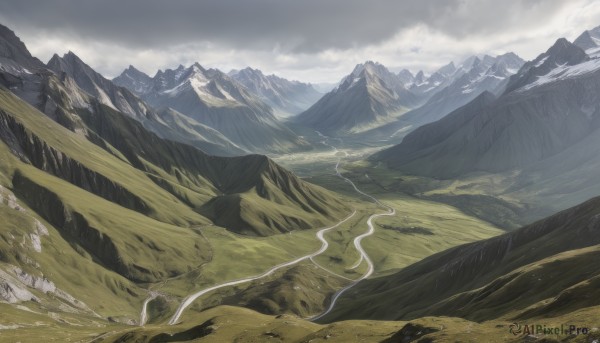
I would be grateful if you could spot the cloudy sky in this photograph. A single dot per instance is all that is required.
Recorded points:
(308, 40)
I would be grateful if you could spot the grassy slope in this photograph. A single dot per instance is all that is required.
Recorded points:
(492, 278)
(234, 324)
(155, 246)
(161, 248)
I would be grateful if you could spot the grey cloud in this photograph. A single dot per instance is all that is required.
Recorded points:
(296, 26)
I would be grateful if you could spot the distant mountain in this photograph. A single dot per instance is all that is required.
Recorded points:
(517, 129)
(427, 86)
(543, 269)
(96, 85)
(547, 65)
(546, 126)
(370, 96)
(134, 80)
(486, 74)
(455, 87)
(324, 87)
(286, 97)
(212, 98)
(406, 77)
(73, 71)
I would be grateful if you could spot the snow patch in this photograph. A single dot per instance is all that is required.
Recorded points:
(562, 72)
(541, 61)
(593, 52)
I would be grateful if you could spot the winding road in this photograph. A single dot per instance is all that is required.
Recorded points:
(143, 314)
(324, 245)
(357, 241)
(191, 298)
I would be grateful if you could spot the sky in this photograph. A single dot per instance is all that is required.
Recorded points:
(308, 40)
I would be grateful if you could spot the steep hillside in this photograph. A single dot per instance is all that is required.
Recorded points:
(541, 270)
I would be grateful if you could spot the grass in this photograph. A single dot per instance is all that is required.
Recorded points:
(232, 324)
(391, 250)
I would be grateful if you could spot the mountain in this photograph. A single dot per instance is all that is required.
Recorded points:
(427, 86)
(452, 87)
(525, 125)
(324, 87)
(406, 77)
(562, 55)
(486, 74)
(370, 96)
(542, 133)
(212, 98)
(589, 39)
(81, 77)
(104, 201)
(546, 269)
(97, 86)
(136, 81)
(286, 97)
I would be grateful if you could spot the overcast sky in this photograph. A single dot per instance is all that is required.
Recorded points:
(308, 40)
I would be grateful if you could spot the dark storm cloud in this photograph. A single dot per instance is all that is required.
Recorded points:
(292, 26)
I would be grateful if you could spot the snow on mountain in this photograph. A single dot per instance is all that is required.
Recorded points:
(285, 97)
(134, 80)
(215, 99)
(369, 96)
(463, 83)
(554, 64)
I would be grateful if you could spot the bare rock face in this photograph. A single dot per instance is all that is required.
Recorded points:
(12, 290)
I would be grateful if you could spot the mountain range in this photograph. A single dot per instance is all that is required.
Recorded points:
(376, 103)
(216, 100)
(287, 98)
(544, 126)
(371, 95)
